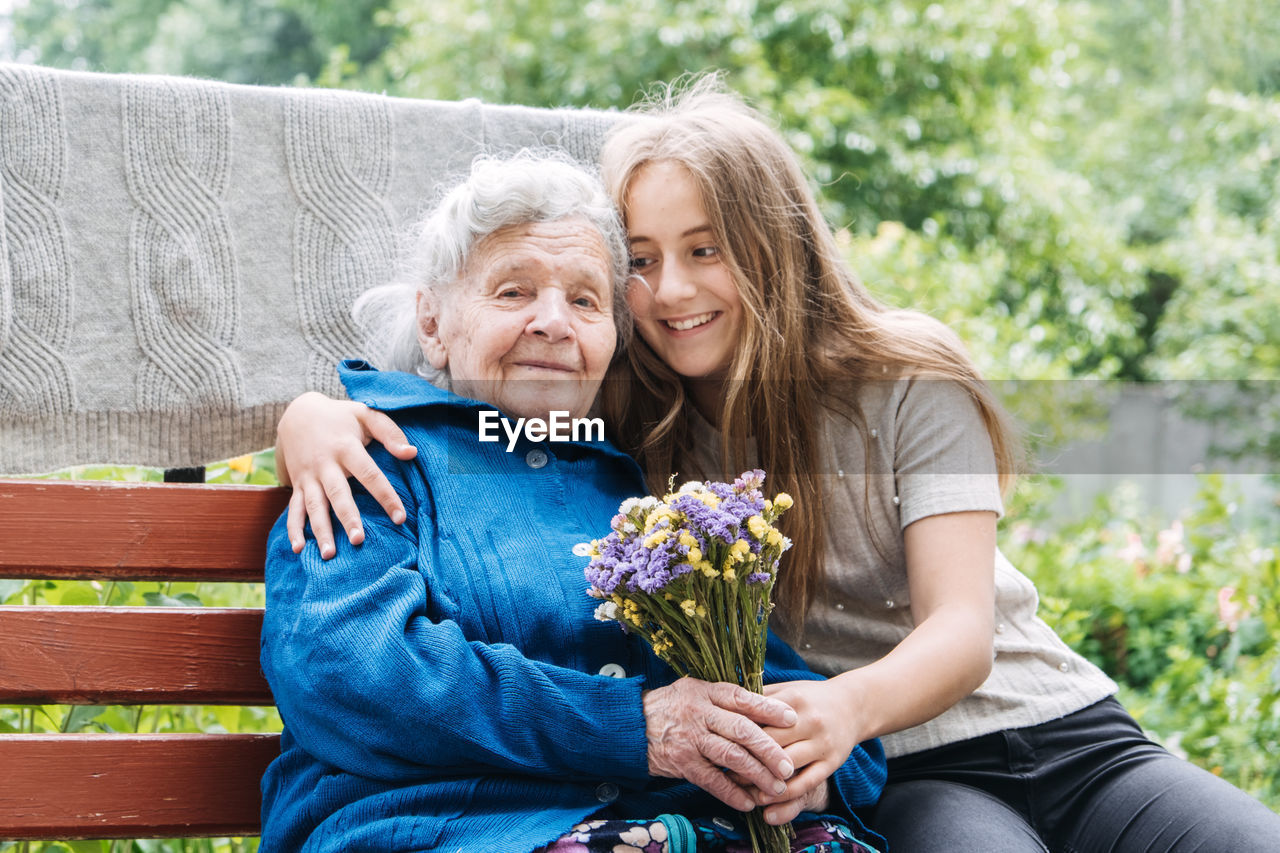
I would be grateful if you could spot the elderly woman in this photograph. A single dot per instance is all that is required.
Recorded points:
(444, 684)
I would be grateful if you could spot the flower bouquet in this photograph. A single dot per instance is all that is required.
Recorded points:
(693, 574)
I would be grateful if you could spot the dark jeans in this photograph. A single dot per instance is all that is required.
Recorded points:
(1086, 783)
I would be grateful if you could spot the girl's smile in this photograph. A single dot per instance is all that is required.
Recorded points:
(686, 325)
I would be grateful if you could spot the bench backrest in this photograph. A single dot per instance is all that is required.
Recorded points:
(132, 785)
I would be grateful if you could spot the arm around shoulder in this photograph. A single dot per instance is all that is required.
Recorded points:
(320, 442)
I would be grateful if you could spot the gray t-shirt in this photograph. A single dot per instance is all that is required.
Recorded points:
(929, 453)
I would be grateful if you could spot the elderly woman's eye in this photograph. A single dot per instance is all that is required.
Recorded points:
(585, 302)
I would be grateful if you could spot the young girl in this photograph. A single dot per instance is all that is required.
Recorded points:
(758, 347)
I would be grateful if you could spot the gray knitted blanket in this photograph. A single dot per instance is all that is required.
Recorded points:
(180, 256)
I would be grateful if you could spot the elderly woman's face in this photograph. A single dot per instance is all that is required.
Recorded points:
(529, 326)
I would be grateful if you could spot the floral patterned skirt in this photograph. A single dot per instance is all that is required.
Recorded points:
(678, 834)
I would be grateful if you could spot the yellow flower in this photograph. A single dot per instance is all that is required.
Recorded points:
(656, 538)
(774, 539)
(687, 540)
(738, 551)
(730, 575)
(757, 527)
(657, 515)
(708, 569)
(243, 464)
(695, 556)
(783, 501)
(710, 499)
(689, 606)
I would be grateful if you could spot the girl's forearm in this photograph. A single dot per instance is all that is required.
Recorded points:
(943, 660)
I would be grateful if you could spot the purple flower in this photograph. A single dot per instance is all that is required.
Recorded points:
(707, 522)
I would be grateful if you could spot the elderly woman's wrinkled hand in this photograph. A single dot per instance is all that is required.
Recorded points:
(697, 730)
(319, 443)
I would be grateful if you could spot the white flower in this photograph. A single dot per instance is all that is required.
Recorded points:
(643, 504)
(607, 612)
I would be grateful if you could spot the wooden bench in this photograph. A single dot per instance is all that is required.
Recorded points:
(65, 786)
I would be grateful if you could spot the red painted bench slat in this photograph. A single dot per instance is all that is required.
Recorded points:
(132, 786)
(135, 531)
(131, 655)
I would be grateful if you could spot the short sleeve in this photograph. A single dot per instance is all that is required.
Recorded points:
(944, 461)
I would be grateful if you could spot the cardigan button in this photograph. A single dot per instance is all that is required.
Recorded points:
(536, 458)
(607, 792)
(613, 670)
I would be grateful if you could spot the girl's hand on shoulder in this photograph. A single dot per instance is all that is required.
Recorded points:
(818, 744)
(320, 442)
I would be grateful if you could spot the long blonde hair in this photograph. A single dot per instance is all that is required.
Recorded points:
(809, 324)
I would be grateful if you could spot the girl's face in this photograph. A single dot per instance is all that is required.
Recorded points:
(687, 307)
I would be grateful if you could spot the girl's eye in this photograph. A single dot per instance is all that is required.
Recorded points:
(638, 264)
(706, 252)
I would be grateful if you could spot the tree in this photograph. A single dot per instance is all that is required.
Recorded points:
(241, 41)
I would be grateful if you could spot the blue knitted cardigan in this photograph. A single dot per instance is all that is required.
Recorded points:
(441, 685)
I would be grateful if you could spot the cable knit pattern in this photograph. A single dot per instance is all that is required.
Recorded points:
(180, 256)
(35, 292)
(183, 279)
(339, 155)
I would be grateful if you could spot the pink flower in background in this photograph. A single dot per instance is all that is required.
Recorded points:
(1134, 551)
(1024, 533)
(1229, 612)
(1169, 545)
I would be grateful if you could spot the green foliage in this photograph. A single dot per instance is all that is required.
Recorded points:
(1183, 613)
(144, 845)
(241, 41)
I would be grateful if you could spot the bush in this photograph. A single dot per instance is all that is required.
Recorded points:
(1183, 613)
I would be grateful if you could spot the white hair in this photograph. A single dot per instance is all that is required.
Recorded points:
(498, 193)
